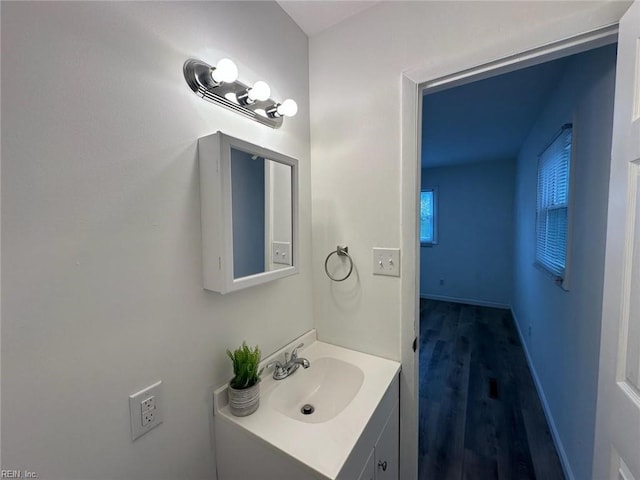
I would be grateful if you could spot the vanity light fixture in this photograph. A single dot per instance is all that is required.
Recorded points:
(220, 85)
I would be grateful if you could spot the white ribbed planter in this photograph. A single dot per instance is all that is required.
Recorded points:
(245, 401)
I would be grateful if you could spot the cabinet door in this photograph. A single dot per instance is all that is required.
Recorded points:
(387, 449)
(369, 471)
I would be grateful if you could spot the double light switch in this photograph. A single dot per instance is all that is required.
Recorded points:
(386, 261)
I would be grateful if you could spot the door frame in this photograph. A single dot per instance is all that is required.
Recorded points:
(414, 84)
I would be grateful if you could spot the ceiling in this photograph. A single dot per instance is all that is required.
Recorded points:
(488, 119)
(484, 120)
(314, 16)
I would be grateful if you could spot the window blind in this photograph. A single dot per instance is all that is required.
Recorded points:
(553, 203)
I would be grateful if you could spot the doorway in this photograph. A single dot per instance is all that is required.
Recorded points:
(485, 274)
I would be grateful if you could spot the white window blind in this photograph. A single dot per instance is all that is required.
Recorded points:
(553, 203)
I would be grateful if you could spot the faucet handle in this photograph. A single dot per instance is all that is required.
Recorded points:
(279, 371)
(275, 363)
(294, 352)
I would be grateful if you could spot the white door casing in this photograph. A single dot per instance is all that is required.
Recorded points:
(617, 440)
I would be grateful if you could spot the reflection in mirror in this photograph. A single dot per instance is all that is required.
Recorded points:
(261, 214)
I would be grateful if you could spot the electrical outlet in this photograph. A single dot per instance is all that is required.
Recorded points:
(148, 417)
(149, 403)
(442, 281)
(145, 408)
(148, 407)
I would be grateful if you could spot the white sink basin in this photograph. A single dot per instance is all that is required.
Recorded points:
(328, 385)
(344, 386)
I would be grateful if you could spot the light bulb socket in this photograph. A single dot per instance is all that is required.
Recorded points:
(213, 81)
(272, 111)
(202, 74)
(243, 98)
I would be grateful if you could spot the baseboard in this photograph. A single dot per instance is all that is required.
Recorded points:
(468, 301)
(568, 473)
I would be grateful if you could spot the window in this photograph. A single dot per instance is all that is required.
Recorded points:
(428, 230)
(553, 203)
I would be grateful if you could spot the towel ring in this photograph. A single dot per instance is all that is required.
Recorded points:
(341, 252)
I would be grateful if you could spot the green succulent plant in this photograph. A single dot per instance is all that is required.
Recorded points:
(245, 366)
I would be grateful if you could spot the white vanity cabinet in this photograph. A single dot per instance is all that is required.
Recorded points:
(359, 440)
(382, 463)
(369, 471)
(374, 456)
(387, 449)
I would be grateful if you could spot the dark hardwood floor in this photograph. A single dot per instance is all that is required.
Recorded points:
(480, 416)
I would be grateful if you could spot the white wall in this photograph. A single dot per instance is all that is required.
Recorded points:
(565, 326)
(474, 253)
(362, 129)
(101, 241)
(355, 80)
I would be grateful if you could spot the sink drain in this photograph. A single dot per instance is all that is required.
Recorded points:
(307, 409)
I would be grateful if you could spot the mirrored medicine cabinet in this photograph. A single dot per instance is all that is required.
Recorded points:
(249, 207)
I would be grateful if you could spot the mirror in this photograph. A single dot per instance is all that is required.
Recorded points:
(260, 213)
(249, 213)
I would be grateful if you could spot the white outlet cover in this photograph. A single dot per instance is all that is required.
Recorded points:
(386, 261)
(281, 253)
(136, 409)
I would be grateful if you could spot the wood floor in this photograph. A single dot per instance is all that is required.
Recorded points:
(480, 416)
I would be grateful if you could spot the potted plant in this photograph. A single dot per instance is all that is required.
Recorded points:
(244, 387)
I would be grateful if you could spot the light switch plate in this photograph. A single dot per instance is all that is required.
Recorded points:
(386, 261)
(145, 409)
(281, 253)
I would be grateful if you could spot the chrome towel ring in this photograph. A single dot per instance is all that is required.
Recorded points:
(341, 252)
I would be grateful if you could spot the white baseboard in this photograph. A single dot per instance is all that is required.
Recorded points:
(568, 473)
(468, 301)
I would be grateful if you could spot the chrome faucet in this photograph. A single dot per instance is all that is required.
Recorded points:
(290, 365)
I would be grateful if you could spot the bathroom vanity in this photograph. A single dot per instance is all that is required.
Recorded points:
(352, 433)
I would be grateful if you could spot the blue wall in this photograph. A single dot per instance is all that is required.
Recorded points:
(564, 343)
(473, 257)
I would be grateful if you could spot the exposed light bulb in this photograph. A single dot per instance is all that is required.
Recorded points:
(288, 108)
(225, 71)
(260, 91)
